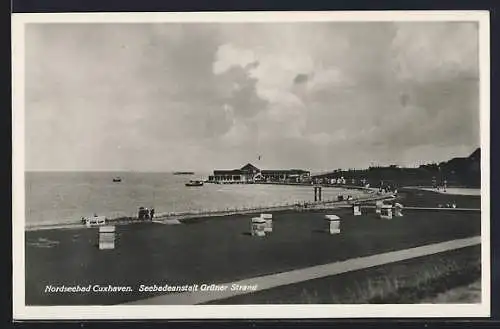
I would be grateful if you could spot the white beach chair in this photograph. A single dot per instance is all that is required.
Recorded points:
(386, 211)
(258, 226)
(332, 224)
(106, 237)
(269, 222)
(378, 206)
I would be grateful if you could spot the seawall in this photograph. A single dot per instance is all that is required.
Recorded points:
(193, 215)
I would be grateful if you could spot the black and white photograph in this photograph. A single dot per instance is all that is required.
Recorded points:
(251, 165)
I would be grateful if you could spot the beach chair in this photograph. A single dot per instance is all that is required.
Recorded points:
(257, 227)
(356, 209)
(332, 224)
(398, 210)
(386, 211)
(106, 237)
(268, 228)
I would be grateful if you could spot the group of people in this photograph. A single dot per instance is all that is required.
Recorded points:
(145, 213)
(342, 197)
(387, 188)
(441, 185)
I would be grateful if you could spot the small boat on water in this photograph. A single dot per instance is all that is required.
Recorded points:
(195, 183)
(94, 220)
(117, 179)
(183, 173)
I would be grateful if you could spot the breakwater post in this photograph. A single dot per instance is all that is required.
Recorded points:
(317, 193)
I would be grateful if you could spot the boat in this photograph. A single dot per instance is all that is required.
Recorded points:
(183, 173)
(117, 179)
(195, 183)
(94, 221)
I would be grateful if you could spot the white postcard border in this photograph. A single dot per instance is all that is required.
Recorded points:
(23, 312)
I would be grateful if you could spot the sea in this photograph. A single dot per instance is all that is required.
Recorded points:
(65, 197)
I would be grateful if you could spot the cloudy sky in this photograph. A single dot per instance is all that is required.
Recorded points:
(161, 97)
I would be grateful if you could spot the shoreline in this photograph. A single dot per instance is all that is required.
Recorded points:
(346, 186)
(369, 196)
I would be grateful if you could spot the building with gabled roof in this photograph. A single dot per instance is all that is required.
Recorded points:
(250, 174)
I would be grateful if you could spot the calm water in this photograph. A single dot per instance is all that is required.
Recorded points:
(65, 197)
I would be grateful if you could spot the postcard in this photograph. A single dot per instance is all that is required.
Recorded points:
(251, 165)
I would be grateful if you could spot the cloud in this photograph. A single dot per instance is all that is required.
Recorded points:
(436, 51)
(229, 56)
(299, 94)
(301, 78)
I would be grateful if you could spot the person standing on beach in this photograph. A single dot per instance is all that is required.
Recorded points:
(152, 213)
(142, 213)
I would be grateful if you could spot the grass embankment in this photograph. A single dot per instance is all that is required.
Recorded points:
(470, 293)
(219, 250)
(417, 280)
(419, 198)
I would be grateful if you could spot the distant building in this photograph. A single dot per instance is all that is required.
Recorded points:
(249, 174)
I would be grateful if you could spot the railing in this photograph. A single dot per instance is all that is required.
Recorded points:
(279, 207)
(297, 205)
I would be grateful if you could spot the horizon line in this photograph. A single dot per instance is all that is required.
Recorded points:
(315, 170)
